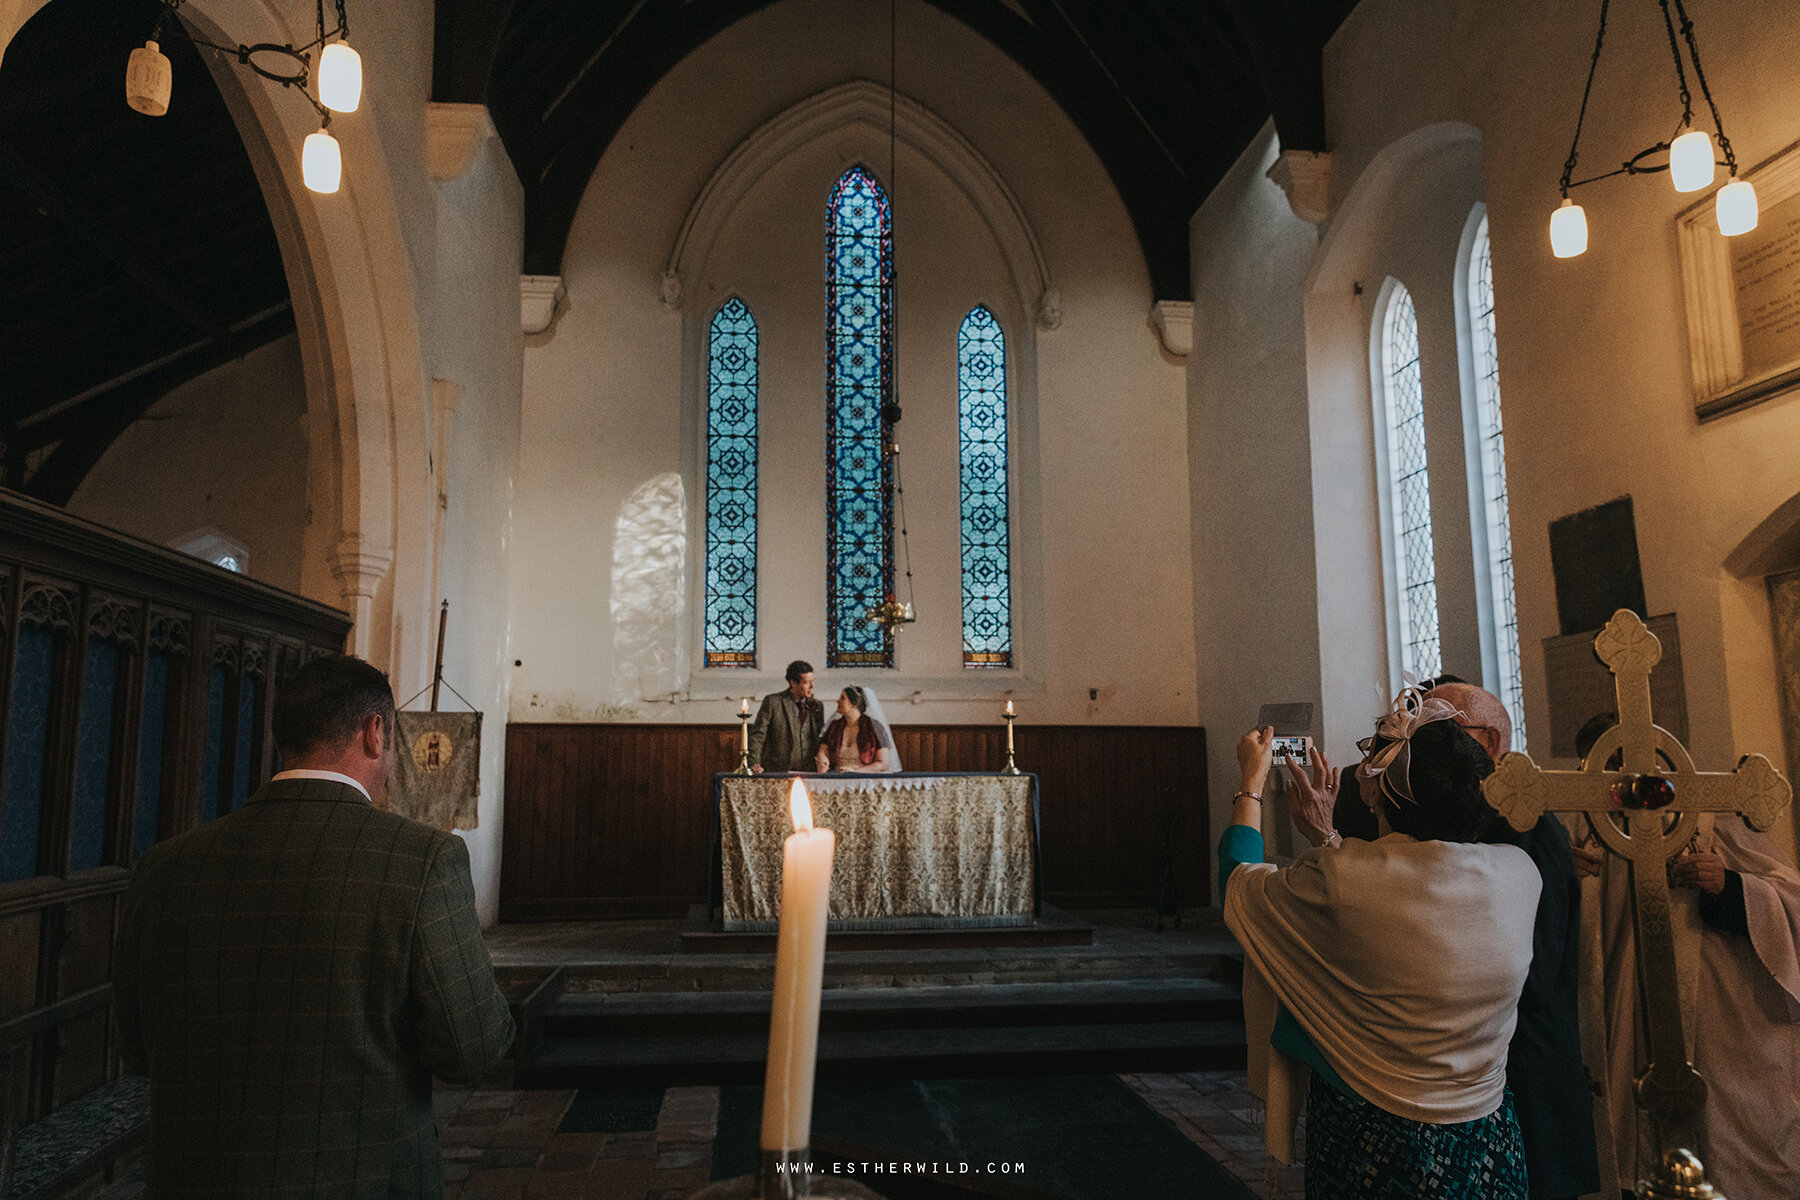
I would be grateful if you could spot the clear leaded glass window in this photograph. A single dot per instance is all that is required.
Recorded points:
(986, 547)
(731, 379)
(1411, 487)
(1493, 480)
(859, 488)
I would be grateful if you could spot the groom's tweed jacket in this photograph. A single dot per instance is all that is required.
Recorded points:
(290, 977)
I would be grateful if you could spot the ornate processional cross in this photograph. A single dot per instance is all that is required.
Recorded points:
(1670, 1090)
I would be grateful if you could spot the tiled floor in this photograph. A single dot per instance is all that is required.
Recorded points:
(504, 1145)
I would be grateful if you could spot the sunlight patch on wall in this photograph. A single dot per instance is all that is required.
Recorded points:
(648, 604)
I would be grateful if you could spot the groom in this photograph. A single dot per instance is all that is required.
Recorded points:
(785, 734)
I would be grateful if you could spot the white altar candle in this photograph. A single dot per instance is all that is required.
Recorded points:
(799, 975)
(1009, 708)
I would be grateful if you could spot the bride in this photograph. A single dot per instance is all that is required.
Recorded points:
(858, 738)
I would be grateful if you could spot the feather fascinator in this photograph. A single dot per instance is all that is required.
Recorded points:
(1389, 762)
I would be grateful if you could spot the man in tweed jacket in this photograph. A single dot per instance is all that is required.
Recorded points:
(292, 975)
(785, 734)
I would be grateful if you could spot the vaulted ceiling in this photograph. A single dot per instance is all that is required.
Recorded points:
(138, 252)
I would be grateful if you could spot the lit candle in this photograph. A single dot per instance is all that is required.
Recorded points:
(799, 975)
(1009, 708)
(744, 728)
(744, 707)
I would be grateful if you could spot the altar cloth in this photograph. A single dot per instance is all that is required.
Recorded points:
(914, 850)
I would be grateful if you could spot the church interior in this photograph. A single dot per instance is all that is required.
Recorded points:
(1179, 336)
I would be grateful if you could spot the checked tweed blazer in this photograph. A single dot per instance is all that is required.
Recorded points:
(290, 977)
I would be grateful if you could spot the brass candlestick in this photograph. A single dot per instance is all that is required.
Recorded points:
(1011, 767)
(743, 767)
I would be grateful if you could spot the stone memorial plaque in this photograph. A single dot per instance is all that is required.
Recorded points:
(1579, 686)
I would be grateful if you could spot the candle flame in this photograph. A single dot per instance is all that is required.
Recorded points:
(1009, 708)
(744, 707)
(800, 807)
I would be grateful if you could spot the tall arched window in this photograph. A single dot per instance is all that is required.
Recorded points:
(859, 482)
(1410, 487)
(1493, 479)
(986, 547)
(731, 383)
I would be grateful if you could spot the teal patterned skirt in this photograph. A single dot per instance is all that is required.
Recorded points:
(1354, 1149)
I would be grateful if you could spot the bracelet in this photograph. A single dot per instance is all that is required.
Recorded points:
(1252, 795)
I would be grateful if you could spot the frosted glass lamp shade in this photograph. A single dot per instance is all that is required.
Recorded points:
(340, 78)
(1736, 208)
(1691, 164)
(1568, 230)
(147, 80)
(320, 163)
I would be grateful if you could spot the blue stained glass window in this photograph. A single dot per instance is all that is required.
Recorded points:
(1410, 484)
(1493, 482)
(215, 738)
(986, 546)
(859, 488)
(731, 390)
(246, 729)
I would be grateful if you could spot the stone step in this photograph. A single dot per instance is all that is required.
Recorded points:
(891, 1054)
(1096, 1002)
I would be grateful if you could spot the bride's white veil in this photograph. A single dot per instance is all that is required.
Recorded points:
(883, 730)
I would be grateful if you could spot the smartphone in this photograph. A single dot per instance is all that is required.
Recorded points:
(1297, 748)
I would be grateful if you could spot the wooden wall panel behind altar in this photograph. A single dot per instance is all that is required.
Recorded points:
(614, 819)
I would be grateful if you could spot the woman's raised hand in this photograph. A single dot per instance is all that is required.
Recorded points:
(1315, 796)
(1256, 751)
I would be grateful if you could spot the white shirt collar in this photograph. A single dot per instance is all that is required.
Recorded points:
(331, 775)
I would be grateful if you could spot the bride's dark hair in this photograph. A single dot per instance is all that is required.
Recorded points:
(856, 696)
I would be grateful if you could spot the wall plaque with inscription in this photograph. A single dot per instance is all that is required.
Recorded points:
(1743, 294)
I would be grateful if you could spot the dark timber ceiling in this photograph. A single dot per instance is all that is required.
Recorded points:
(1168, 92)
(137, 251)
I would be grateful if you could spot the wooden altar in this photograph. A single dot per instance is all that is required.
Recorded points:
(914, 850)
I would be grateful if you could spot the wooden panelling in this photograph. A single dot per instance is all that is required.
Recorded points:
(616, 819)
(93, 586)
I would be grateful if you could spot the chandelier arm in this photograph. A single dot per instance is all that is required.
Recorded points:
(1687, 97)
(1687, 31)
(905, 544)
(1581, 118)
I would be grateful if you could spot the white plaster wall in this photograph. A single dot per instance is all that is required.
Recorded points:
(613, 397)
(225, 450)
(1594, 368)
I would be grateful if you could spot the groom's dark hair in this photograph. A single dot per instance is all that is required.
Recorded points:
(797, 668)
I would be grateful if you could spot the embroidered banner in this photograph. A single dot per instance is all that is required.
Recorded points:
(437, 768)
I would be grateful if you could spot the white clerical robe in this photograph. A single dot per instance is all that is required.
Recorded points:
(1740, 1003)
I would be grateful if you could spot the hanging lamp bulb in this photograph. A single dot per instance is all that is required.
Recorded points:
(1736, 208)
(147, 80)
(1691, 163)
(1568, 230)
(340, 77)
(321, 165)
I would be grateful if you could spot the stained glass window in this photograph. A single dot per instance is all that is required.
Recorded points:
(1411, 488)
(731, 380)
(859, 487)
(1493, 480)
(986, 547)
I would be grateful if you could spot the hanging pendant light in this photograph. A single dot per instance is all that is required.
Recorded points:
(1690, 162)
(148, 79)
(340, 77)
(321, 165)
(1736, 208)
(1568, 230)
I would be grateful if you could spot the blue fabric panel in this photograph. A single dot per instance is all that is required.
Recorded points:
(27, 737)
(150, 753)
(215, 738)
(246, 729)
(1241, 844)
(93, 755)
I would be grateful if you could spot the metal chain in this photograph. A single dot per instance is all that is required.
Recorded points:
(1687, 31)
(1687, 99)
(1593, 65)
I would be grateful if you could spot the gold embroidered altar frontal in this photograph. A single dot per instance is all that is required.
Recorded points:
(913, 851)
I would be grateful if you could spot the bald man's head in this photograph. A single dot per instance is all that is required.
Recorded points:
(1484, 716)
